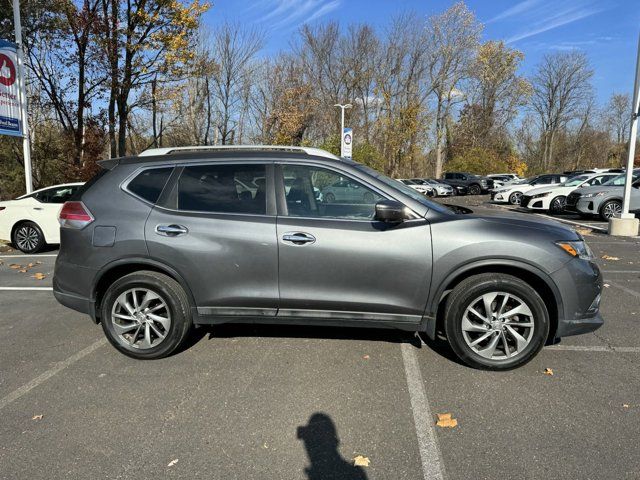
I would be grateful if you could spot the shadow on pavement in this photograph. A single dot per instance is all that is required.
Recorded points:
(321, 441)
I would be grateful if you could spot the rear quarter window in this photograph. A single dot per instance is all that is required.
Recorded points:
(149, 183)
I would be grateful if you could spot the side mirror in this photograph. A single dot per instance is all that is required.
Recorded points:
(389, 211)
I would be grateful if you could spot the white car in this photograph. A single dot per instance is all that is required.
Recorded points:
(423, 189)
(31, 221)
(512, 193)
(441, 189)
(554, 198)
(501, 179)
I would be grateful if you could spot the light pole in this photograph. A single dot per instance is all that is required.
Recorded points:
(626, 224)
(342, 108)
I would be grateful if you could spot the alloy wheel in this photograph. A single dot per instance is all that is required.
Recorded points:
(558, 204)
(515, 198)
(611, 209)
(27, 238)
(498, 326)
(141, 318)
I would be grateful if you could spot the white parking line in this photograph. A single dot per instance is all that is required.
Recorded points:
(29, 256)
(595, 348)
(620, 271)
(18, 289)
(430, 455)
(624, 289)
(26, 388)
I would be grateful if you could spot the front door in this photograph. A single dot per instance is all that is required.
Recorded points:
(217, 228)
(336, 262)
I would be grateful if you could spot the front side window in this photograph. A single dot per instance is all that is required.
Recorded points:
(318, 192)
(223, 189)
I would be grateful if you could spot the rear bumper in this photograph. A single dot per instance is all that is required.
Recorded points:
(74, 302)
(72, 287)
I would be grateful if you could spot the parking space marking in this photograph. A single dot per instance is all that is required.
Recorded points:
(26, 388)
(430, 455)
(14, 289)
(624, 289)
(595, 348)
(620, 271)
(29, 256)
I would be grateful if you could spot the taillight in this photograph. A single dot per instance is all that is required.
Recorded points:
(75, 215)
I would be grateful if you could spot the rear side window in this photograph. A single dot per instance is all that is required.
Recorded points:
(223, 189)
(149, 183)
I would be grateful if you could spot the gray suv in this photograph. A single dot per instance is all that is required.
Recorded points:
(179, 237)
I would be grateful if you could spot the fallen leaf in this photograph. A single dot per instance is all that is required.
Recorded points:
(39, 276)
(36, 417)
(445, 421)
(548, 371)
(625, 405)
(15, 266)
(361, 461)
(23, 270)
(172, 462)
(606, 285)
(609, 257)
(31, 265)
(366, 357)
(584, 231)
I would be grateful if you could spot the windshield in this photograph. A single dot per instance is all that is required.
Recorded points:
(408, 182)
(409, 192)
(575, 181)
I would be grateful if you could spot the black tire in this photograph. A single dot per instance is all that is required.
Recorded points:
(556, 206)
(330, 198)
(170, 292)
(28, 237)
(466, 294)
(475, 189)
(607, 207)
(515, 198)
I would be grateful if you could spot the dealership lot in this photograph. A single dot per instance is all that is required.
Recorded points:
(248, 401)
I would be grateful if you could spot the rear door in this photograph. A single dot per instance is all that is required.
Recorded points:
(47, 206)
(216, 226)
(336, 262)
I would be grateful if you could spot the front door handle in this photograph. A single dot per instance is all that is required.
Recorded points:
(38, 208)
(298, 238)
(172, 230)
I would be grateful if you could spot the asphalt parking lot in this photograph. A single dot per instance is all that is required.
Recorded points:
(273, 402)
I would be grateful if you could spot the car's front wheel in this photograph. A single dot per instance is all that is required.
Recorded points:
(495, 321)
(475, 189)
(557, 205)
(28, 237)
(145, 315)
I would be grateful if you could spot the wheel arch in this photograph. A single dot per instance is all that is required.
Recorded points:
(117, 269)
(539, 280)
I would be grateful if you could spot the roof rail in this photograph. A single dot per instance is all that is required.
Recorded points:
(213, 148)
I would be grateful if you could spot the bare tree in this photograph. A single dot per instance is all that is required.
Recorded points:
(617, 114)
(453, 38)
(561, 90)
(234, 48)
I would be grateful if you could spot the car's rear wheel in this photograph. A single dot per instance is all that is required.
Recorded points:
(475, 189)
(515, 198)
(145, 315)
(28, 237)
(557, 205)
(495, 321)
(610, 209)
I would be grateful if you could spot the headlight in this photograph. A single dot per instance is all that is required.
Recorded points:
(540, 195)
(591, 195)
(577, 249)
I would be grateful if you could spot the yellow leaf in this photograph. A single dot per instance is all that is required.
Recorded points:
(445, 421)
(609, 257)
(39, 276)
(172, 462)
(36, 417)
(361, 461)
(548, 371)
(15, 266)
(366, 357)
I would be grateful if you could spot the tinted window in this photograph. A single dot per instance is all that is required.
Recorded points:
(149, 183)
(313, 193)
(56, 195)
(223, 189)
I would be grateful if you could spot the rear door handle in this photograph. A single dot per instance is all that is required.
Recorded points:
(298, 238)
(172, 230)
(38, 208)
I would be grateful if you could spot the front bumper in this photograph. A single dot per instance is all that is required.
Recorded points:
(499, 197)
(566, 328)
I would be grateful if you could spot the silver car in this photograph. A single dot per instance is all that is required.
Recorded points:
(605, 200)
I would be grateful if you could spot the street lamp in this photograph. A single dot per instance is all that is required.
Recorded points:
(342, 107)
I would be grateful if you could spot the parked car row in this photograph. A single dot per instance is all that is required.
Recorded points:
(592, 192)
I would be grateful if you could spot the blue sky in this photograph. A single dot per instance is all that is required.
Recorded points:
(607, 30)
